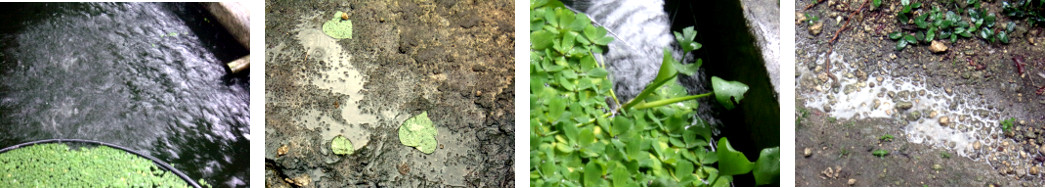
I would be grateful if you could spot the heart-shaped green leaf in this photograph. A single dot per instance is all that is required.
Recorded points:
(730, 161)
(767, 168)
(728, 93)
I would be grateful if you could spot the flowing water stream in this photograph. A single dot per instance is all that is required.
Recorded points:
(146, 76)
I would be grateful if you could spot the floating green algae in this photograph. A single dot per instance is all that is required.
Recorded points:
(419, 132)
(341, 146)
(56, 165)
(338, 28)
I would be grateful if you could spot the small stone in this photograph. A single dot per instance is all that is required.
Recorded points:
(478, 93)
(808, 152)
(1034, 170)
(976, 145)
(344, 16)
(937, 167)
(937, 47)
(948, 90)
(914, 116)
(799, 18)
(904, 105)
(933, 114)
(852, 182)
(944, 121)
(282, 150)
(816, 28)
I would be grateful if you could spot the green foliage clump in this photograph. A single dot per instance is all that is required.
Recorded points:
(886, 138)
(581, 135)
(419, 132)
(1006, 125)
(338, 28)
(56, 165)
(880, 152)
(1032, 10)
(341, 146)
(938, 23)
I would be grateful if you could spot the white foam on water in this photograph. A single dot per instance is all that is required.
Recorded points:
(859, 103)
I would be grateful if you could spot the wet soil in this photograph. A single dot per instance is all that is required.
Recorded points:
(453, 59)
(974, 84)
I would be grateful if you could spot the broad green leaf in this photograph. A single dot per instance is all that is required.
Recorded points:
(541, 39)
(767, 167)
(688, 69)
(593, 175)
(667, 68)
(621, 124)
(730, 161)
(621, 177)
(728, 93)
(597, 72)
(895, 35)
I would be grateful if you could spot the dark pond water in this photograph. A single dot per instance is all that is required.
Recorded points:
(147, 76)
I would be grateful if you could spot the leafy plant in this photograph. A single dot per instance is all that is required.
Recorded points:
(938, 23)
(582, 135)
(880, 152)
(1031, 10)
(57, 165)
(886, 138)
(812, 19)
(1006, 125)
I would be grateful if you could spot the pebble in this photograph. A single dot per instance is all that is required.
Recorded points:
(937, 47)
(799, 18)
(948, 90)
(976, 145)
(937, 167)
(816, 28)
(944, 121)
(808, 152)
(914, 116)
(904, 105)
(1034, 170)
(852, 182)
(933, 114)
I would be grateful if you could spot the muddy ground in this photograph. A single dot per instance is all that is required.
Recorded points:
(971, 86)
(452, 58)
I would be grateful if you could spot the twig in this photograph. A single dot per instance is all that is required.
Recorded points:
(835, 38)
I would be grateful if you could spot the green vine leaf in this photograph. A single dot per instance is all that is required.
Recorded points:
(730, 161)
(767, 168)
(728, 93)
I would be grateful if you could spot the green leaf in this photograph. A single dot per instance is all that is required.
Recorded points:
(896, 35)
(876, 3)
(597, 72)
(683, 168)
(621, 124)
(728, 93)
(920, 21)
(667, 68)
(767, 168)
(621, 177)
(1003, 37)
(730, 161)
(541, 39)
(593, 175)
(911, 39)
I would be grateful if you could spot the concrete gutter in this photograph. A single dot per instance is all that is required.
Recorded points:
(762, 17)
(235, 17)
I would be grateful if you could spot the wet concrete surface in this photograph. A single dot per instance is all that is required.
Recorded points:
(453, 59)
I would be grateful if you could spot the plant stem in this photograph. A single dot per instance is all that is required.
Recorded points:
(612, 94)
(649, 89)
(663, 102)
